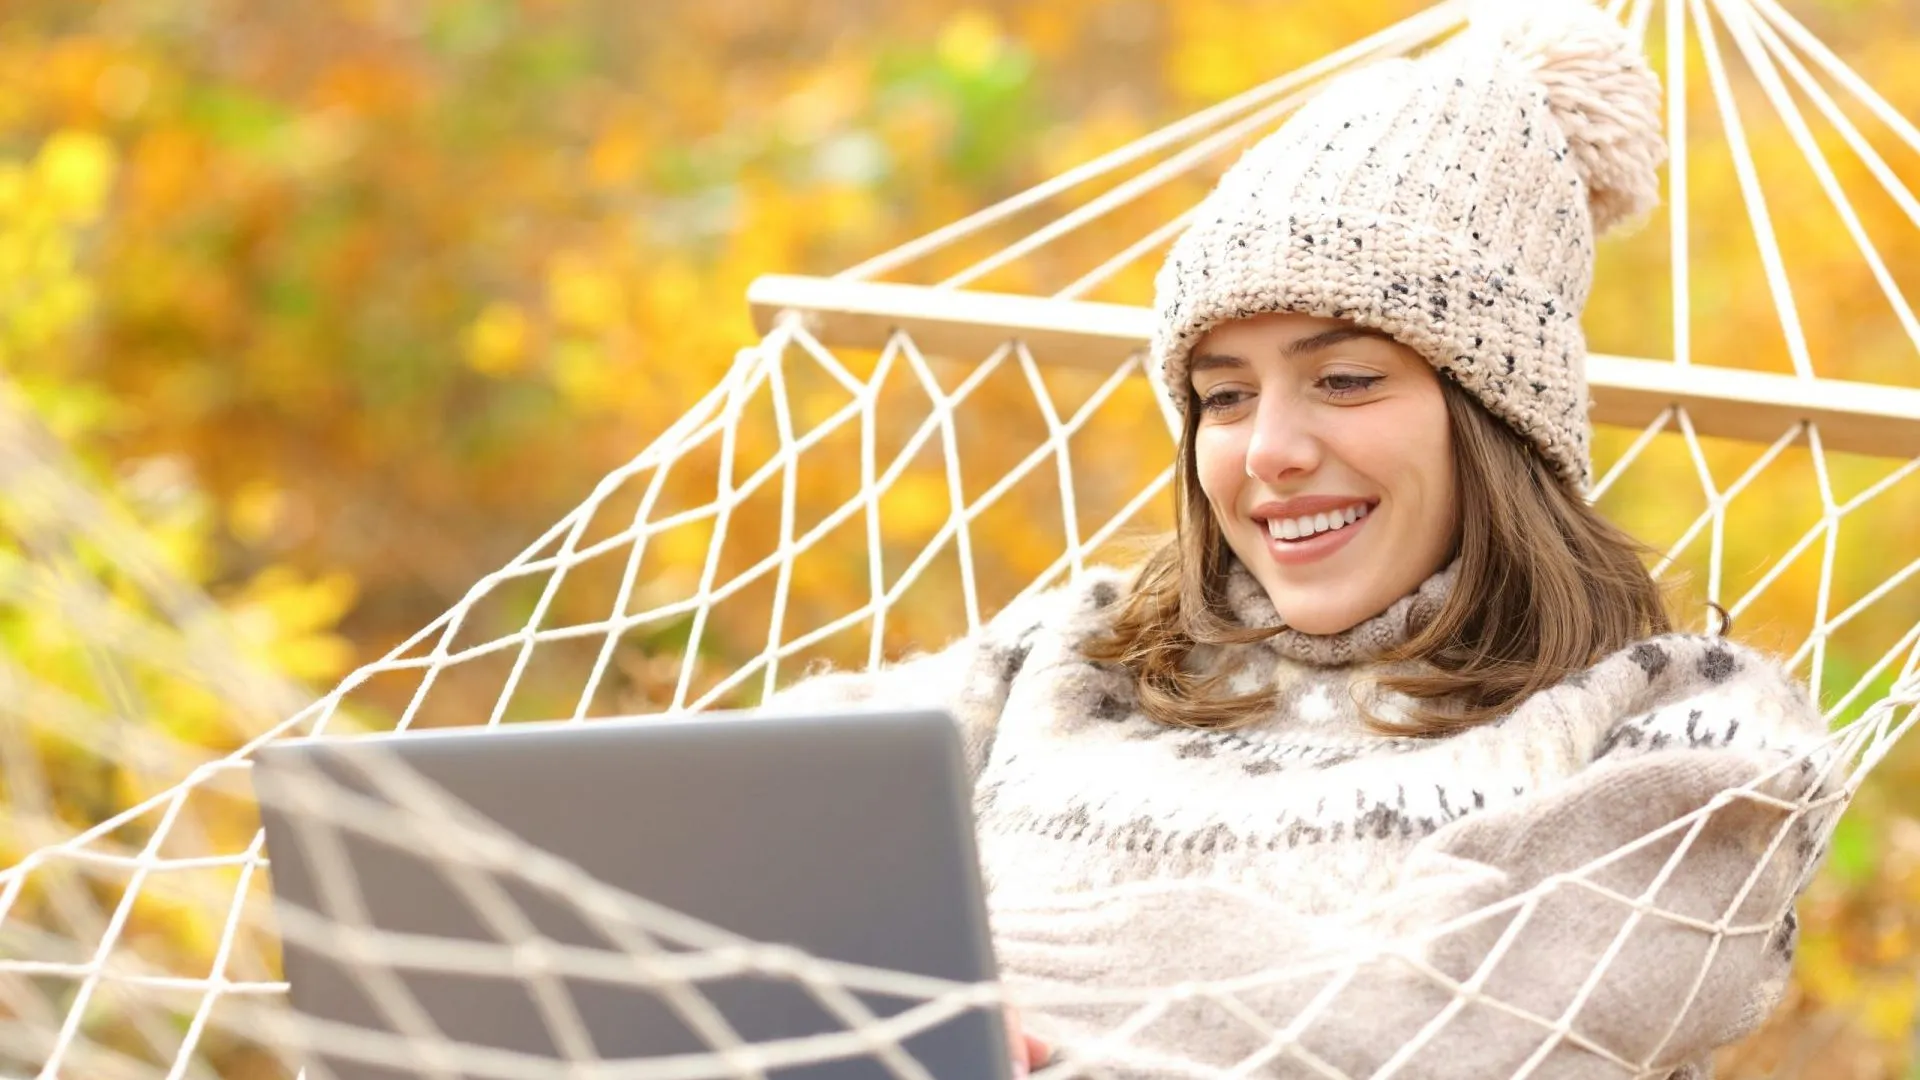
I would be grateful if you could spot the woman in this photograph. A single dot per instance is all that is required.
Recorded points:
(1393, 670)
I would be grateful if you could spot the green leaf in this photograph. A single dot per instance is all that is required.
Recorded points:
(237, 119)
(1855, 854)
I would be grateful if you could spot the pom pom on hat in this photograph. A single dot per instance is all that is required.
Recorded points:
(1600, 90)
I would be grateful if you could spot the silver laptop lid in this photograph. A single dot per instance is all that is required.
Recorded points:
(848, 836)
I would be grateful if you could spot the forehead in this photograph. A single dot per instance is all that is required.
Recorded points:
(1264, 332)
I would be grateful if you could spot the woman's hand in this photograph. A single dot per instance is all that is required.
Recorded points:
(1029, 1053)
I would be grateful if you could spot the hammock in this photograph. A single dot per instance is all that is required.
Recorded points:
(977, 386)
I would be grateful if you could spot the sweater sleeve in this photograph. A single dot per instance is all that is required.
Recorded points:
(1651, 894)
(969, 677)
(1621, 923)
(1646, 904)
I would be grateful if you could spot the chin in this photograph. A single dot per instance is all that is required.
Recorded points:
(1329, 609)
(1319, 621)
(1323, 602)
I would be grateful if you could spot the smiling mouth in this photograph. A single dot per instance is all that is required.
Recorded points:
(1308, 526)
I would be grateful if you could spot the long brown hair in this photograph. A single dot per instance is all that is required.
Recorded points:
(1544, 587)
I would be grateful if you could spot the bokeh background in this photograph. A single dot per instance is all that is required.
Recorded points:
(336, 305)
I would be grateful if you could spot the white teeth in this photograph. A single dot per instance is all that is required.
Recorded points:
(1302, 527)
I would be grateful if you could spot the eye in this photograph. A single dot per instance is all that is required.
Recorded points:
(1218, 402)
(1347, 385)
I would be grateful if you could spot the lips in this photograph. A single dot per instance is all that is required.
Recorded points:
(1319, 526)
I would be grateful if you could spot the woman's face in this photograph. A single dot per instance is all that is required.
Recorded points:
(1326, 455)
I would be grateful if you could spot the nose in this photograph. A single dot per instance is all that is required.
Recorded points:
(1283, 443)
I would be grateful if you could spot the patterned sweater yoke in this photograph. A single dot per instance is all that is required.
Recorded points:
(1268, 863)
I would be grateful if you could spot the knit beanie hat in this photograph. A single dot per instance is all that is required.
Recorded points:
(1450, 201)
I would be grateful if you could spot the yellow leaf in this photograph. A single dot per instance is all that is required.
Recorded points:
(672, 288)
(848, 210)
(616, 157)
(74, 170)
(1888, 1012)
(916, 506)
(313, 656)
(583, 375)
(1825, 972)
(496, 341)
(829, 99)
(583, 296)
(970, 42)
(13, 189)
(1893, 943)
(256, 511)
(295, 605)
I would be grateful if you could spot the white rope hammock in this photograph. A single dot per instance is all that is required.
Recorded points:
(974, 416)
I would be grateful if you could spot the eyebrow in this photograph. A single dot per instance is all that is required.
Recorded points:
(1298, 347)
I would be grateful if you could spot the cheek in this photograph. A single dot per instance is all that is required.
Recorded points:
(1219, 459)
(1406, 448)
(1438, 458)
(1430, 441)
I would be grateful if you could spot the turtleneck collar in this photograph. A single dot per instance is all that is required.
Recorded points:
(1248, 602)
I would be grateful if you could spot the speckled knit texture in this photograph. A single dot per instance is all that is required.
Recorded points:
(1124, 853)
(1451, 201)
(1366, 641)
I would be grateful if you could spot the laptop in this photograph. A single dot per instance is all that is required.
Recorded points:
(846, 835)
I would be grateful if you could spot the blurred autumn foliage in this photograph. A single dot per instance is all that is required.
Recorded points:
(346, 300)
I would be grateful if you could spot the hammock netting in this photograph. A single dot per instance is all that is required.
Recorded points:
(911, 446)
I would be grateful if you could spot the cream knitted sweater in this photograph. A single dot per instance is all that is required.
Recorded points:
(1312, 882)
